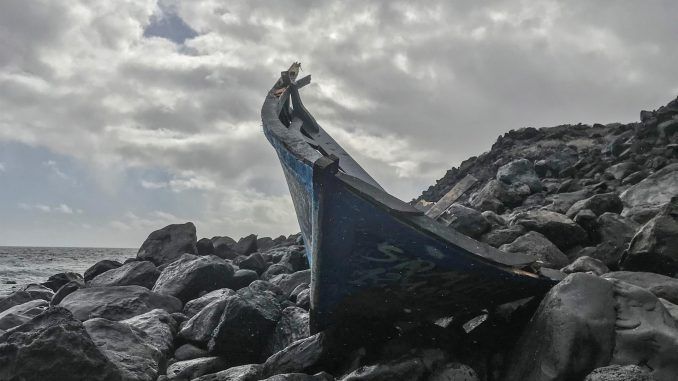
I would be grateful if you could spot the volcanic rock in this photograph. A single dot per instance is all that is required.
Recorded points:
(246, 245)
(64, 291)
(557, 228)
(660, 285)
(292, 326)
(189, 352)
(243, 278)
(196, 305)
(100, 267)
(586, 264)
(57, 280)
(619, 373)
(159, 326)
(654, 191)
(538, 246)
(190, 275)
(191, 369)
(169, 243)
(139, 273)
(598, 204)
(205, 246)
(465, 220)
(199, 328)
(250, 372)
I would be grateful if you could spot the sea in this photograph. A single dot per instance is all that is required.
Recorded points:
(20, 265)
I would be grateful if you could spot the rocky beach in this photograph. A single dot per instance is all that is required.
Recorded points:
(596, 205)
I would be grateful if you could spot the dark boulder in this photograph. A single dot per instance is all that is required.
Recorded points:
(13, 299)
(454, 372)
(243, 278)
(250, 372)
(191, 275)
(22, 313)
(302, 356)
(619, 373)
(189, 352)
(614, 232)
(199, 328)
(654, 191)
(322, 376)
(192, 369)
(38, 291)
(557, 228)
(160, 328)
(275, 270)
(169, 243)
(223, 247)
(621, 170)
(304, 299)
(660, 285)
(292, 326)
(246, 245)
(465, 220)
(540, 247)
(117, 302)
(586, 264)
(205, 246)
(288, 282)
(518, 173)
(55, 281)
(249, 317)
(139, 273)
(100, 267)
(598, 204)
(196, 305)
(487, 198)
(64, 291)
(254, 261)
(406, 369)
(53, 346)
(503, 235)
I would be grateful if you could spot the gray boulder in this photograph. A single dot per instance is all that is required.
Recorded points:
(660, 285)
(13, 299)
(53, 346)
(540, 247)
(288, 282)
(160, 328)
(55, 281)
(139, 273)
(100, 267)
(598, 204)
(205, 246)
(292, 326)
(38, 291)
(223, 247)
(454, 372)
(562, 202)
(614, 232)
(619, 373)
(189, 352)
(465, 220)
(559, 229)
(196, 305)
(191, 275)
(246, 245)
(253, 262)
(621, 170)
(243, 278)
(199, 328)
(191, 369)
(654, 191)
(127, 348)
(250, 372)
(502, 235)
(300, 357)
(117, 302)
(407, 369)
(22, 313)
(520, 172)
(64, 291)
(488, 197)
(586, 264)
(169, 243)
(322, 376)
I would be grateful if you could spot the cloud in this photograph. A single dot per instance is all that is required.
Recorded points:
(60, 208)
(2, 167)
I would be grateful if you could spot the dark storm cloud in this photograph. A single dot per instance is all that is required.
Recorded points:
(410, 88)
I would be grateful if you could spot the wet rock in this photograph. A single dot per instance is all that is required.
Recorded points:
(38, 291)
(13, 299)
(660, 285)
(249, 317)
(288, 282)
(619, 373)
(205, 246)
(117, 302)
(246, 245)
(160, 328)
(304, 299)
(22, 313)
(190, 275)
(465, 220)
(139, 273)
(243, 278)
(654, 191)
(199, 328)
(454, 372)
(194, 306)
(300, 357)
(520, 172)
(191, 369)
(293, 257)
(557, 228)
(292, 326)
(586, 264)
(655, 247)
(571, 333)
(501, 236)
(540, 247)
(64, 291)
(53, 346)
(253, 262)
(250, 372)
(598, 204)
(57, 280)
(126, 347)
(189, 352)
(100, 267)
(169, 243)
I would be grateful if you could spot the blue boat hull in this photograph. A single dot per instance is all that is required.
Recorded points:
(371, 255)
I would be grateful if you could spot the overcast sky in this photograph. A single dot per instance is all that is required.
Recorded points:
(118, 118)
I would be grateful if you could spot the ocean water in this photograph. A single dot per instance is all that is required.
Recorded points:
(25, 265)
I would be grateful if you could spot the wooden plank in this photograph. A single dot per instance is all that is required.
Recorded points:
(453, 195)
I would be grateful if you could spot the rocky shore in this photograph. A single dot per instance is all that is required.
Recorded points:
(596, 205)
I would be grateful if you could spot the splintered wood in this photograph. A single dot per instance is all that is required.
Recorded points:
(453, 195)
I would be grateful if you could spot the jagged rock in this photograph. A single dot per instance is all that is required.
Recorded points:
(288, 282)
(671, 308)
(57, 280)
(275, 270)
(660, 285)
(292, 326)
(487, 198)
(322, 376)
(139, 273)
(293, 257)
(53, 346)
(248, 319)
(22, 313)
(250, 372)
(117, 302)
(191, 369)
(223, 247)
(571, 333)
(655, 247)
(304, 299)
(100, 267)
(246, 245)
(13, 299)
(614, 232)
(199, 328)
(205, 246)
(159, 326)
(619, 373)
(586, 264)
(454, 372)
(253, 261)
(126, 347)
(598, 204)
(501, 236)
(465, 220)
(589, 222)
(407, 369)
(494, 219)
(169, 243)
(190, 275)
(300, 357)
(621, 170)
(654, 191)
(562, 202)
(520, 172)
(64, 291)
(189, 352)
(243, 278)
(38, 291)
(557, 228)
(540, 247)
(196, 305)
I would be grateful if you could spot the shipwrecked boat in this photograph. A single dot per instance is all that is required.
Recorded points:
(373, 256)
